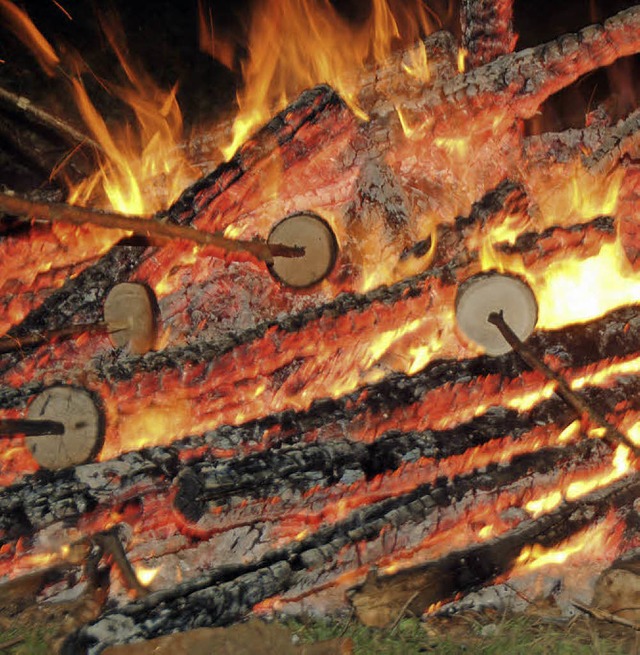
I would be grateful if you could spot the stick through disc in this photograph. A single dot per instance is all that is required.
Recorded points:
(491, 292)
(83, 429)
(320, 250)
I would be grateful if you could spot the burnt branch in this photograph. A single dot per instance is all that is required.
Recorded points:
(519, 83)
(487, 30)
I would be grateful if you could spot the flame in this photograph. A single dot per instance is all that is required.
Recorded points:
(146, 575)
(574, 288)
(142, 169)
(31, 36)
(621, 464)
(462, 60)
(594, 543)
(297, 44)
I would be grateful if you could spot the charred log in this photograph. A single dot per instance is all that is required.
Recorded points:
(380, 600)
(228, 593)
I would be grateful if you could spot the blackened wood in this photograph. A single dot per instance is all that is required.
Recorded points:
(611, 434)
(463, 571)
(226, 594)
(487, 30)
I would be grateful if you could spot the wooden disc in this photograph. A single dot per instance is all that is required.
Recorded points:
(83, 427)
(128, 312)
(316, 237)
(489, 292)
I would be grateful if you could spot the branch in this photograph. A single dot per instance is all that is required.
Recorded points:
(46, 119)
(62, 213)
(603, 615)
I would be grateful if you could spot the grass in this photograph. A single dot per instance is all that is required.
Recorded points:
(31, 642)
(518, 635)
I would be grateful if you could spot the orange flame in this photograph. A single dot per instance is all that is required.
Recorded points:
(31, 36)
(297, 44)
(142, 168)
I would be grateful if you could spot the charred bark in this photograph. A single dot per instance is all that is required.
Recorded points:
(487, 30)
(228, 593)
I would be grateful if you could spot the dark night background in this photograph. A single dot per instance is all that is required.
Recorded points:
(163, 36)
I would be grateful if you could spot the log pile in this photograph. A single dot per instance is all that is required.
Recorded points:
(277, 446)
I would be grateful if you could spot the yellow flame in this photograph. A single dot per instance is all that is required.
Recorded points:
(621, 466)
(573, 291)
(142, 168)
(462, 59)
(486, 531)
(454, 146)
(525, 402)
(146, 575)
(416, 63)
(591, 542)
(297, 44)
(543, 505)
(570, 432)
(612, 371)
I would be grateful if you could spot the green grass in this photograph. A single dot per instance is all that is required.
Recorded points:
(32, 643)
(514, 636)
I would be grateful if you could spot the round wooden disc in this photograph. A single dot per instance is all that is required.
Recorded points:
(489, 292)
(129, 315)
(83, 429)
(316, 237)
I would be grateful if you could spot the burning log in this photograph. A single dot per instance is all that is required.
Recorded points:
(523, 80)
(487, 30)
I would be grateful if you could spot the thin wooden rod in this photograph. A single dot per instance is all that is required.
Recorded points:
(63, 213)
(10, 344)
(30, 428)
(612, 434)
(43, 117)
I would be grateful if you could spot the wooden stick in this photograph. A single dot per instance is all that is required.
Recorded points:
(43, 117)
(603, 615)
(60, 212)
(30, 427)
(11, 344)
(612, 434)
